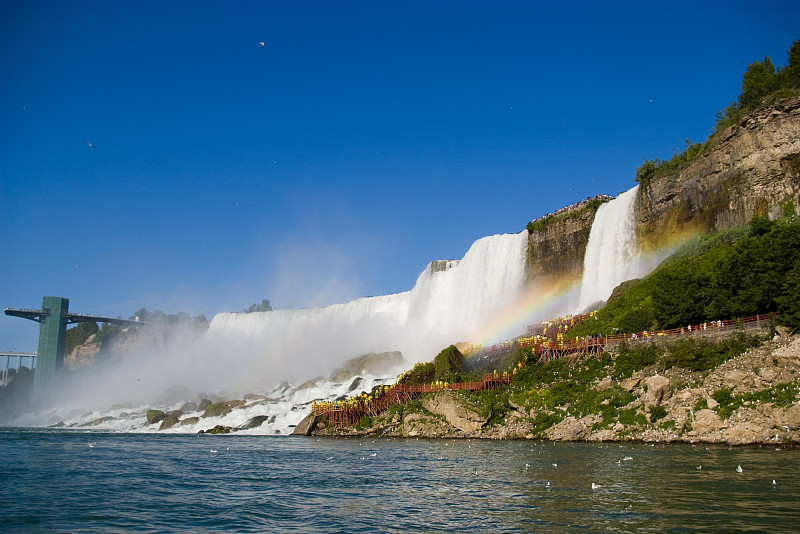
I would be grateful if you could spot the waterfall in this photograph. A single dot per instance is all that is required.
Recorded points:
(450, 301)
(612, 252)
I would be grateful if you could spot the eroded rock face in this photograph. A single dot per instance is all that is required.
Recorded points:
(556, 251)
(459, 412)
(753, 167)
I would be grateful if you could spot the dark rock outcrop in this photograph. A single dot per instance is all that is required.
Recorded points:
(306, 426)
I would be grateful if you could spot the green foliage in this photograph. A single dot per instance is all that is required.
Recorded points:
(762, 84)
(657, 412)
(737, 273)
(449, 364)
(265, 306)
(541, 224)
(421, 373)
(629, 360)
(78, 335)
(545, 420)
(701, 404)
(364, 423)
(703, 354)
(758, 82)
(631, 417)
(780, 395)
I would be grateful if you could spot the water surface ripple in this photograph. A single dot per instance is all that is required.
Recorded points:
(66, 481)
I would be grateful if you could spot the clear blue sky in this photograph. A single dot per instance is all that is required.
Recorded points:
(363, 140)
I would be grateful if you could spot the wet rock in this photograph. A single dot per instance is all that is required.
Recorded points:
(254, 422)
(222, 408)
(154, 416)
(219, 429)
(98, 421)
(306, 426)
(190, 421)
(171, 419)
(190, 406)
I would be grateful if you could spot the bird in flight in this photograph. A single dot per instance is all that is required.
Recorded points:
(262, 44)
(89, 144)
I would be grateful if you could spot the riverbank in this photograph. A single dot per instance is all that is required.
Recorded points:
(749, 399)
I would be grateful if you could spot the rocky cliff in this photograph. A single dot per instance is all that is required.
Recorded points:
(556, 249)
(751, 168)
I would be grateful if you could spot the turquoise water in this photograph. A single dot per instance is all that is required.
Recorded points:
(54, 481)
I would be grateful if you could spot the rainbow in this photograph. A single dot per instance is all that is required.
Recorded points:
(537, 302)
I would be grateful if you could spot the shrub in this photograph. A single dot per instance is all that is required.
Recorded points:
(657, 412)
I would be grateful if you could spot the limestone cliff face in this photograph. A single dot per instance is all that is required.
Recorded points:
(555, 252)
(753, 168)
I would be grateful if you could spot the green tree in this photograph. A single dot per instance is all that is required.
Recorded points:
(447, 363)
(758, 82)
(263, 307)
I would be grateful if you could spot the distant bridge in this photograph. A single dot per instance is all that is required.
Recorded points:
(53, 319)
(20, 356)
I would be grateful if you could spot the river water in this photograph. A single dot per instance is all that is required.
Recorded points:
(67, 481)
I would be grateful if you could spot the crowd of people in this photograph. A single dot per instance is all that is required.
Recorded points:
(574, 206)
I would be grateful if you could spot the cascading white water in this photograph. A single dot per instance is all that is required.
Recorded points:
(612, 251)
(449, 303)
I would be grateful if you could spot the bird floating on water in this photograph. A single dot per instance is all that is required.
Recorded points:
(91, 444)
(774, 483)
(596, 486)
(212, 451)
(739, 469)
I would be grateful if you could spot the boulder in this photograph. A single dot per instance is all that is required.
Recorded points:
(733, 379)
(222, 408)
(254, 422)
(604, 385)
(306, 426)
(219, 429)
(570, 429)
(190, 421)
(630, 384)
(458, 411)
(171, 419)
(154, 416)
(658, 389)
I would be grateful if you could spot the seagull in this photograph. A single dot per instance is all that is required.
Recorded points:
(91, 444)
(212, 451)
(89, 144)
(555, 465)
(699, 467)
(262, 44)
(330, 457)
(547, 485)
(774, 483)
(627, 458)
(739, 469)
(596, 486)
